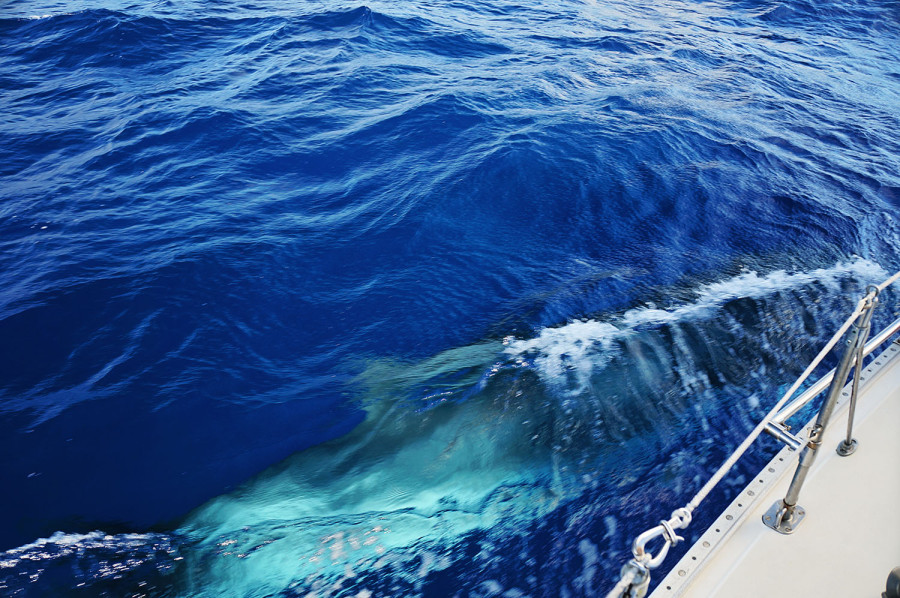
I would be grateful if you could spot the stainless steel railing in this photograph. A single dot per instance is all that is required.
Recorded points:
(784, 515)
(822, 383)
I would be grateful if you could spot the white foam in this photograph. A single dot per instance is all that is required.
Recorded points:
(61, 539)
(577, 348)
(591, 556)
(610, 522)
(568, 348)
(63, 544)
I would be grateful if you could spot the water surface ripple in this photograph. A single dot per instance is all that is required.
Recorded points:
(413, 298)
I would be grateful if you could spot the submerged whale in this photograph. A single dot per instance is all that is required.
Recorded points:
(497, 435)
(510, 467)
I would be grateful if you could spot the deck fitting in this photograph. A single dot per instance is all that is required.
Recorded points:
(782, 519)
(845, 450)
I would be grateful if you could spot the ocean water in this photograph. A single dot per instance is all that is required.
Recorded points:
(414, 299)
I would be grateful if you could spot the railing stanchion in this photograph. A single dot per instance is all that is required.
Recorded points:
(848, 446)
(785, 515)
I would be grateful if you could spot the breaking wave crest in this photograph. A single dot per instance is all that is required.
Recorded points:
(582, 345)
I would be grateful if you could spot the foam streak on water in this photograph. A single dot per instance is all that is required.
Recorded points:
(413, 298)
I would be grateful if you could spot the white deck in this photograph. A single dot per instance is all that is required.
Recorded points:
(850, 538)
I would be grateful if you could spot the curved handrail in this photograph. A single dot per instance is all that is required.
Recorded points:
(639, 567)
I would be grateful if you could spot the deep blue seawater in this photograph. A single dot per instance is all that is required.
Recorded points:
(408, 298)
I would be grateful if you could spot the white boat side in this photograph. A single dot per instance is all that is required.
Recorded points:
(849, 540)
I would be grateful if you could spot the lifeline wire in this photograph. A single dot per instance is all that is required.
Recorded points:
(742, 448)
(623, 585)
(889, 282)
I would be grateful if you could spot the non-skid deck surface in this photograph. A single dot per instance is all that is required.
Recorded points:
(850, 539)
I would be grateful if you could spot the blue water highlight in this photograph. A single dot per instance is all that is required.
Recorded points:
(414, 299)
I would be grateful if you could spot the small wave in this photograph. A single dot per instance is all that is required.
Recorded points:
(62, 543)
(753, 285)
(106, 563)
(583, 345)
